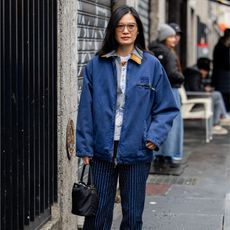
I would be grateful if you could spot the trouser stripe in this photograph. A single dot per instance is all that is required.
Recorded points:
(132, 182)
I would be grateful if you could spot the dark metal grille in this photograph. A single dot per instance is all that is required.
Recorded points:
(28, 112)
(93, 17)
(165, 179)
(143, 10)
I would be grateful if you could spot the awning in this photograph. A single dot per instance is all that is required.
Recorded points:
(223, 2)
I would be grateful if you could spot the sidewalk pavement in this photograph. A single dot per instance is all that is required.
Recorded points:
(199, 198)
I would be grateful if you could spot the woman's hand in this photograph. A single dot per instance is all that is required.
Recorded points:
(86, 160)
(150, 145)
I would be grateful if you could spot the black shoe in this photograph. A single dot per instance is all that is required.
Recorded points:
(170, 163)
(174, 165)
(168, 160)
(159, 162)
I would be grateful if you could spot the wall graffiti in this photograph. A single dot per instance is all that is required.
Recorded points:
(144, 15)
(93, 18)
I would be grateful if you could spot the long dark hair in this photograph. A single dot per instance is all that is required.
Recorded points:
(109, 44)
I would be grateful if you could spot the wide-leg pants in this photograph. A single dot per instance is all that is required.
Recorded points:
(218, 107)
(132, 183)
(173, 145)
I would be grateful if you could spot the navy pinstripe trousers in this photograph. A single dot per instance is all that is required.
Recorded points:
(132, 183)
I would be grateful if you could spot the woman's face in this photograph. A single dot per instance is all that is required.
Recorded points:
(126, 31)
(178, 37)
(170, 41)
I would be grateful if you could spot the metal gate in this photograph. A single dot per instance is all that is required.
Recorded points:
(143, 10)
(93, 17)
(28, 112)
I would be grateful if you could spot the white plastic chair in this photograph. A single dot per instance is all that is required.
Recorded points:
(190, 110)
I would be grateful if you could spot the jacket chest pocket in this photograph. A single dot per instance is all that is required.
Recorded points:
(144, 87)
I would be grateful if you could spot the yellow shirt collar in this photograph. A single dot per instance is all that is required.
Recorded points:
(136, 55)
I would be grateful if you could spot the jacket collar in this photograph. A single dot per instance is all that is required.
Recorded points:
(136, 55)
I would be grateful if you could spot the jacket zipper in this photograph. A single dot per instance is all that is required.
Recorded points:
(114, 158)
(115, 146)
(126, 83)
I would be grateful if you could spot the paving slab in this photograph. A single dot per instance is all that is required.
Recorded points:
(198, 198)
(227, 213)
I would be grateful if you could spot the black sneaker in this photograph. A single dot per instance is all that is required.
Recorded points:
(159, 161)
(170, 163)
(168, 160)
(174, 165)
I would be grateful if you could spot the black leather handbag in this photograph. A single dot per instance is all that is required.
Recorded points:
(84, 196)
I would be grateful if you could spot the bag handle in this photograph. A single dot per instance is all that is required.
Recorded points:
(82, 173)
(90, 176)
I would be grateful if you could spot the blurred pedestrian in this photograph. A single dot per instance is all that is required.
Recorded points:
(171, 151)
(178, 31)
(125, 112)
(221, 67)
(195, 81)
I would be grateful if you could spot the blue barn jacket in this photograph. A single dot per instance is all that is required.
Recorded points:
(148, 113)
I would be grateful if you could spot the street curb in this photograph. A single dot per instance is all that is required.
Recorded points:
(227, 213)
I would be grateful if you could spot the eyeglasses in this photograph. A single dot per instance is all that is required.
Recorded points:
(130, 27)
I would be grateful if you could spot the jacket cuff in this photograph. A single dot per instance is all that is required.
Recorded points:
(80, 154)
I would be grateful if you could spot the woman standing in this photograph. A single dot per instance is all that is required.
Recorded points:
(171, 152)
(125, 112)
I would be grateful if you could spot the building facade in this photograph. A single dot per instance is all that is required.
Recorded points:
(44, 48)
